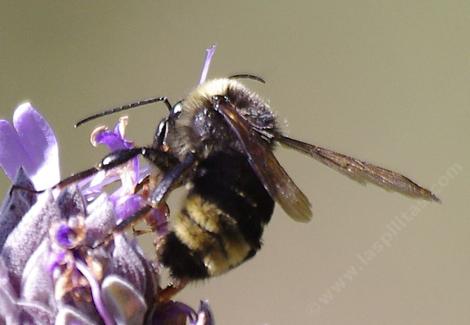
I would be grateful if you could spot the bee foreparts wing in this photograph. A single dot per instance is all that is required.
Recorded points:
(360, 170)
(274, 178)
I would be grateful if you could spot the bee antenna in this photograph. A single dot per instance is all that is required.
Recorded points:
(125, 107)
(247, 76)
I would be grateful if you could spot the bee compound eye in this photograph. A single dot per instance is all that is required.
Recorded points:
(177, 109)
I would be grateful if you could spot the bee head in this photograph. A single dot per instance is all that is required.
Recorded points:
(165, 124)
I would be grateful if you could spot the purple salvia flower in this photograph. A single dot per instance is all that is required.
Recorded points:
(29, 143)
(114, 139)
(49, 274)
(51, 270)
(126, 203)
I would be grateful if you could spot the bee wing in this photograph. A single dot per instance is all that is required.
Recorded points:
(273, 176)
(360, 170)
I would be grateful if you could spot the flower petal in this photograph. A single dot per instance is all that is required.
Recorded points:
(101, 219)
(174, 313)
(36, 283)
(40, 143)
(128, 205)
(69, 315)
(125, 303)
(64, 236)
(71, 203)
(15, 206)
(95, 292)
(207, 62)
(158, 219)
(27, 236)
(204, 315)
(9, 313)
(12, 155)
(127, 263)
(114, 139)
(34, 313)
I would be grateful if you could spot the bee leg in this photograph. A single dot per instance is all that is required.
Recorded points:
(151, 225)
(121, 227)
(143, 188)
(140, 232)
(157, 157)
(166, 294)
(15, 188)
(63, 183)
(114, 159)
(142, 185)
(171, 179)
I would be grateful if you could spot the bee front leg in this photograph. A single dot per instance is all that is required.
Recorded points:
(172, 179)
(157, 197)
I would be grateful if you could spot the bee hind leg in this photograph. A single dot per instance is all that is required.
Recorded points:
(172, 289)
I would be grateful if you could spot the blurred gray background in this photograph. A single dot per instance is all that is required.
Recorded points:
(385, 81)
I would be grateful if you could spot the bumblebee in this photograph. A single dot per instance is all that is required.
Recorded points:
(219, 140)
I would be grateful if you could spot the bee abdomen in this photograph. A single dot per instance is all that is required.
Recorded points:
(182, 262)
(222, 221)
